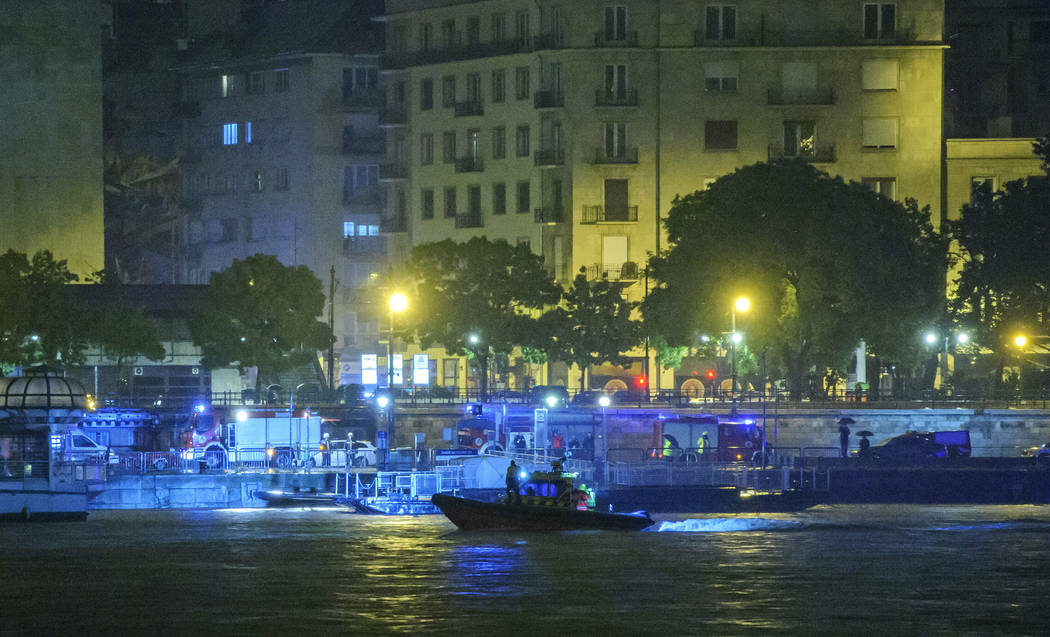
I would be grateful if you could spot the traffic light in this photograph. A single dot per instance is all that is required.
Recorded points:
(640, 381)
(710, 374)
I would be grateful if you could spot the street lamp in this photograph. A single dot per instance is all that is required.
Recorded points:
(604, 402)
(931, 338)
(398, 303)
(742, 304)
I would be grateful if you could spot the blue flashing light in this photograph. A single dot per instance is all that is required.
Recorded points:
(523, 475)
(749, 422)
(199, 408)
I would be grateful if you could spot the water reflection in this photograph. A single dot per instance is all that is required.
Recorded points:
(486, 570)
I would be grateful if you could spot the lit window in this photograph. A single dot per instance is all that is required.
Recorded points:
(227, 86)
(229, 134)
(348, 229)
(247, 132)
(798, 138)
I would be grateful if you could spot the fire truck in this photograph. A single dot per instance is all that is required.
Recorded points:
(266, 437)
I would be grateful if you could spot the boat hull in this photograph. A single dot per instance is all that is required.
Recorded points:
(471, 515)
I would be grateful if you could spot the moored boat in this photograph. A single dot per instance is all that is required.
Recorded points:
(548, 501)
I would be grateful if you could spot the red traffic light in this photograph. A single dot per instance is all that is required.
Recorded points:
(640, 381)
(710, 374)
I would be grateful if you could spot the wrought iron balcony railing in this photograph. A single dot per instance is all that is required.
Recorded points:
(627, 97)
(615, 214)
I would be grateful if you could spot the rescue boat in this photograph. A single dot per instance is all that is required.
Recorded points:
(547, 501)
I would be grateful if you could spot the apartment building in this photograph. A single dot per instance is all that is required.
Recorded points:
(282, 154)
(572, 126)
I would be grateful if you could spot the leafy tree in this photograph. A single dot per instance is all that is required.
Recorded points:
(261, 313)
(824, 262)
(120, 329)
(38, 321)
(488, 288)
(1003, 287)
(593, 325)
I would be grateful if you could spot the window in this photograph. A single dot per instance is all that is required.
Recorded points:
(229, 134)
(981, 186)
(615, 139)
(450, 202)
(499, 27)
(880, 21)
(616, 23)
(226, 85)
(426, 37)
(521, 27)
(280, 80)
(616, 82)
(229, 230)
(474, 145)
(448, 91)
(448, 34)
(427, 197)
(282, 179)
(521, 141)
(720, 134)
(474, 88)
(879, 75)
(426, 149)
(257, 181)
(521, 82)
(879, 133)
(499, 85)
(499, 199)
(448, 147)
(474, 201)
(348, 229)
(426, 95)
(885, 186)
(524, 192)
(721, 77)
(524, 242)
(473, 30)
(721, 22)
(499, 142)
(256, 83)
(247, 132)
(358, 178)
(359, 78)
(798, 138)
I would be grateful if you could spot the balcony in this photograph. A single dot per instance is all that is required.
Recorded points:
(357, 145)
(628, 156)
(393, 172)
(549, 215)
(366, 99)
(549, 157)
(616, 98)
(548, 99)
(469, 220)
(469, 109)
(616, 214)
(364, 196)
(818, 155)
(393, 225)
(801, 97)
(630, 39)
(368, 245)
(469, 164)
(626, 272)
(392, 117)
(547, 41)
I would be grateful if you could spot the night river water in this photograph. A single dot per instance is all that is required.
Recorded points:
(844, 570)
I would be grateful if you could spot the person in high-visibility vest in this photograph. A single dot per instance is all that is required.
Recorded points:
(667, 449)
(702, 444)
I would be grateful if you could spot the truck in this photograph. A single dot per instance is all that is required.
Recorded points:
(266, 438)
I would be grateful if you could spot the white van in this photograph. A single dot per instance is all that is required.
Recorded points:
(76, 447)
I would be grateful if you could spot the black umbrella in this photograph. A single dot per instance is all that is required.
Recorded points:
(865, 433)
(847, 421)
(672, 439)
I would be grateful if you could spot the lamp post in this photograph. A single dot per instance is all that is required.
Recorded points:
(398, 304)
(604, 402)
(386, 403)
(742, 304)
(931, 338)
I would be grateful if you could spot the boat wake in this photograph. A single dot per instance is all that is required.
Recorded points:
(728, 525)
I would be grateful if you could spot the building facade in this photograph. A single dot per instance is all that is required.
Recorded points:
(51, 164)
(573, 126)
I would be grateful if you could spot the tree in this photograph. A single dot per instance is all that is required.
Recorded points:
(120, 329)
(487, 288)
(1003, 286)
(261, 313)
(593, 325)
(39, 322)
(824, 262)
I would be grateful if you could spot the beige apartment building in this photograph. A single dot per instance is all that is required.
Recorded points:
(572, 126)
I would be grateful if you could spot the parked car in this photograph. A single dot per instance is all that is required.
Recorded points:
(587, 398)
(552, 396)
(362, 453)
(914, 445)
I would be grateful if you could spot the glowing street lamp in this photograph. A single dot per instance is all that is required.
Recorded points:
(1020, 340)
(742, 304)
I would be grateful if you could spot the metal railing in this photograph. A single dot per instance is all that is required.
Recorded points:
(800, 97)
(628, 97)
(818, 155)
(628, 156)
(468, 109)
(601, 214)
(549, 215)
(469, 164)
(629, 39)
(548, 99)
(548, 157)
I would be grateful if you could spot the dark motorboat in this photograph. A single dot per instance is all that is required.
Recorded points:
(546, 502)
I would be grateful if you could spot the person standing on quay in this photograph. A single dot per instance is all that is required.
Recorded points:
(844, 436)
